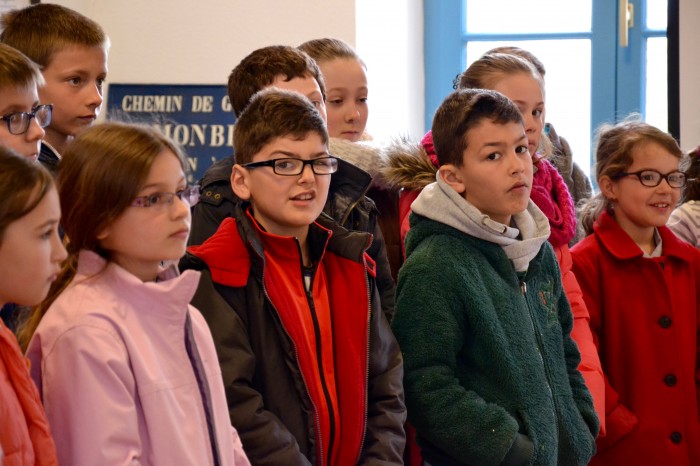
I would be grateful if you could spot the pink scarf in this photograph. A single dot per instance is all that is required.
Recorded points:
(550, 194)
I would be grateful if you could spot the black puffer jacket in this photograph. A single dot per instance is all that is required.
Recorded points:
(268, 400)
(346, 204)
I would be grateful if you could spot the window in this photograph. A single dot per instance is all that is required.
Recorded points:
(590, 78)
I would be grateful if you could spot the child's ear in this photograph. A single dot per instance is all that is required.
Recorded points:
(104, 234)
(240, 182)
(608, 187)
(453, 177)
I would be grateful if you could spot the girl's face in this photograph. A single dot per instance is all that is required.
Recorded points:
(638, 208)
(141, 237)
(31, 253)
(346, 101)
(527, 93)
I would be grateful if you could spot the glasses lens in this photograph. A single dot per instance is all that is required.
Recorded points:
(18, 122)
(288, 166)
(676, 179)
(43, 115)
(650, 178)
(325, 166)
(190, 195)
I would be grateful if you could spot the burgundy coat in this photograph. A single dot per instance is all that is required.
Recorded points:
(645, 320)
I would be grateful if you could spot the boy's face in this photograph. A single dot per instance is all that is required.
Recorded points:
(20, 99)
(347, 109)
(74, 80)
(284, 205)
(306, 86)
(496, 172)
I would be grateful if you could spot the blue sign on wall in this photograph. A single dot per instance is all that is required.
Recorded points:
(197, 117)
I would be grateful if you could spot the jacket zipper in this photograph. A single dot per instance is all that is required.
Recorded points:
(538, 338)
(296, 358)
(324, 385)
(369, 323)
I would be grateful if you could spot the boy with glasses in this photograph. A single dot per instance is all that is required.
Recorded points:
(71, 50)
(312, 372)
(291, 69)
(22, 119)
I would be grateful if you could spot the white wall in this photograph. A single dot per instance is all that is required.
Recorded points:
(186, 42)
(689, 73)
(390, 41)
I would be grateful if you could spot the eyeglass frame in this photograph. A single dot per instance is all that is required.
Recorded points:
(662, 176)
(29, 115)
(168, 198)
(273, 163)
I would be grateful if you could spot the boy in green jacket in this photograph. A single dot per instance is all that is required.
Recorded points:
(483, 324)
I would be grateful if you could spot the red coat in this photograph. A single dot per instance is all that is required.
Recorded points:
(644, 317)
(24, 431)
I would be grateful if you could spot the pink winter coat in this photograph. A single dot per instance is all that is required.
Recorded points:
(644, 317)
(118, 382)
(25, 438)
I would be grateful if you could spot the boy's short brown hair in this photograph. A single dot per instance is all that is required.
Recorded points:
(461, 111)
(40, 31)
(260, 68)
(271, 114)
(17, 71)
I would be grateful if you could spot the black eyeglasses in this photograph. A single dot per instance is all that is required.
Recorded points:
(189, 196)
(293, 167)
(652, 178)
(18, 122)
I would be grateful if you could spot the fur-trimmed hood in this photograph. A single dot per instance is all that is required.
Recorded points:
(407, 166)
(366, 155)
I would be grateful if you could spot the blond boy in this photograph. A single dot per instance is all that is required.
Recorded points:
(71, 50)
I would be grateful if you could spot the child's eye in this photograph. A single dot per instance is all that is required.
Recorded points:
(153, 199)
(521, 150)
(47, 234)
(74, 81)
(537, 113)
(283, 164)
(493, 156)
(362, 100)
(336, 101)
(317, 104)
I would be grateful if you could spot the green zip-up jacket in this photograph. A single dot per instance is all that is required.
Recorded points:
(489, 365)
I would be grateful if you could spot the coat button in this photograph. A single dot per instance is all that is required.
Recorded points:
(665, 322)
(670, 380)
(676, 437)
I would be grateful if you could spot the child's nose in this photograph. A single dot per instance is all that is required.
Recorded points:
(95, 98)
(353, 113)
(35, 131)
(59, 253)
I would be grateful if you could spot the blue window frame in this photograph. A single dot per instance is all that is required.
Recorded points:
(618, 74)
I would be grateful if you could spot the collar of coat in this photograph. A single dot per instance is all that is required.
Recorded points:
(228, 257)
(621, 246)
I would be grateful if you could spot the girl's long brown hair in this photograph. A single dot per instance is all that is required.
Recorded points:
(99, 176)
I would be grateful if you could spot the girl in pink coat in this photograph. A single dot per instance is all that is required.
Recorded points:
(30, 258)
(125, 366)
(642, 288)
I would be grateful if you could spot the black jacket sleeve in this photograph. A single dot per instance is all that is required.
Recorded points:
(385, 438)
(385, 283)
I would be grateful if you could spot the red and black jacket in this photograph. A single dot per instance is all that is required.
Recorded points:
(310, 378)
